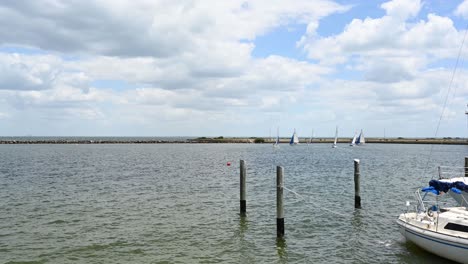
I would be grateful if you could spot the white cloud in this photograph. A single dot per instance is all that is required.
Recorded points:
(187, 67)
(388, 36)
(402, 9)
(148, 28)
(21, 72)
(462, 9)
(4, 115)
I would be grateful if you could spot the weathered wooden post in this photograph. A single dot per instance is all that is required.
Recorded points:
(243, 202)
(357, 192)
(279, 203)
(466, 166)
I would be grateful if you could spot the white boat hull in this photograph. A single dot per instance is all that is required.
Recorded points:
(449, 247)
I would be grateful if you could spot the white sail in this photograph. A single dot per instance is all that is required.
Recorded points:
(294, 139)
(277, 138)
(353, 142)
(361, 140)
(336, 137)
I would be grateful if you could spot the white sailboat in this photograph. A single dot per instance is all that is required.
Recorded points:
(353, 142)
(294, 139)
(336, 138)
(440, 230)
(436, 226)
(277, 141)
(360, 140)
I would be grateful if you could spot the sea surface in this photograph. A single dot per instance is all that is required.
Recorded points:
(179, 203)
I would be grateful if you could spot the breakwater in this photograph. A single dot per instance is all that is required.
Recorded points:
(258, 140)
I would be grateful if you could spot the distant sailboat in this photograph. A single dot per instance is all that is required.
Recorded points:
(277, 141)
(336, 137)
(294, 139)
(311, 137)
(361, 140)
(353, 142)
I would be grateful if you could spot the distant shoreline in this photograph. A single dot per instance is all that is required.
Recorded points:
(205, 140)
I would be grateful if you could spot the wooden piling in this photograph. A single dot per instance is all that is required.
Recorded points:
(279, 203)
(466, 166)
(357, 192)
(243, 202)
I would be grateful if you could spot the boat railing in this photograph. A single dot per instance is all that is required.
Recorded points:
(420, 207)
(448, 172)
(425, 202)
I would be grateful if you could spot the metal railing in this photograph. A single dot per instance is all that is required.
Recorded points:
(448, 172)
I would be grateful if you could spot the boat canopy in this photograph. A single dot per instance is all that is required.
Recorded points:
(436, 187)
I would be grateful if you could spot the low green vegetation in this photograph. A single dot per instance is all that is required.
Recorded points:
(259, 140)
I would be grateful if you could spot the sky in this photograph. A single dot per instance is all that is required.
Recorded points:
(233, 68)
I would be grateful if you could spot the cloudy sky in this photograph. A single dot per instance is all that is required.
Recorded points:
(233, 68)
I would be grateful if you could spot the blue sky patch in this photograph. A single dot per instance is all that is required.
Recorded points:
(281, 41)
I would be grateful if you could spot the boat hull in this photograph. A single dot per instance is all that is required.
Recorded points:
(449, 247)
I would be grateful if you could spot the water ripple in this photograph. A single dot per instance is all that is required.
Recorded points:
(180, 203)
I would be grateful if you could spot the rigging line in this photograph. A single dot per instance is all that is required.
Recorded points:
(315, 204)
(446, 99)
(466, 113)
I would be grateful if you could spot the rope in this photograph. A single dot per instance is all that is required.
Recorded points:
(315, 204)
(445, 101)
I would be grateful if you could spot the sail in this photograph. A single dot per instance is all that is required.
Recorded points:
(336, 137)
(294, 139)
(353, 142)
(277, 137)
(363, 140)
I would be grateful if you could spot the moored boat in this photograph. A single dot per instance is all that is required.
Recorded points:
(443, 232)
(436, 227)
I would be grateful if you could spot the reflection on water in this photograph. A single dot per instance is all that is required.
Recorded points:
(281, 249)
(243, 225)
(357, 220)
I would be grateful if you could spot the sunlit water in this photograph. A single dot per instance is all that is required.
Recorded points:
(179, 203)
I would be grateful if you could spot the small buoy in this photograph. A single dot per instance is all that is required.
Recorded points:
(229, 163)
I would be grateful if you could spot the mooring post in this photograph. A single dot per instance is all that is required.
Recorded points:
(466, 166)
(279, 203)
(243, 202)
(357, 192)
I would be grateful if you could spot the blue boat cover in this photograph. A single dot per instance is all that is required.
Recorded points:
(436, 187)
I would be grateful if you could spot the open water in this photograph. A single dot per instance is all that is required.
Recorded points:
(179, 203)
